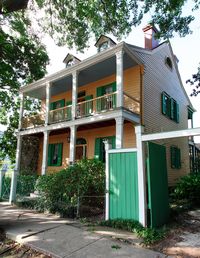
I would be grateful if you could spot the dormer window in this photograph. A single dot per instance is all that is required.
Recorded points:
(71, 60)
(103, 46)
(70, 63)
(104, 43)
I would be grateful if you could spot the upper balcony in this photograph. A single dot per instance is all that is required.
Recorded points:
(86, 108)
(106, 82)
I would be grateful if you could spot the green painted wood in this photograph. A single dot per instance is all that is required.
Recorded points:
(68, 110)
(123, 186)
(158, 200)
(88, 105)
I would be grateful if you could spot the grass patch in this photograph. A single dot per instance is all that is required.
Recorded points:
(149, 235)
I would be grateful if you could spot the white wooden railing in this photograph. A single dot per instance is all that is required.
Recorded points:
(85, 108)
(33, 121)
(60, 114)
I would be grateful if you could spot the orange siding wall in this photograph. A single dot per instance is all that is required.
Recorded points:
(90, 136)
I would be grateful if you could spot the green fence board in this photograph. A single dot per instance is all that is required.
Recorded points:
(158, 200)
(123, 186)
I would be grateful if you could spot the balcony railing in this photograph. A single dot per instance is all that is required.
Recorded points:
(96, 105)
(33, 121)
(85, 108)
(60, 114)
(132, 104)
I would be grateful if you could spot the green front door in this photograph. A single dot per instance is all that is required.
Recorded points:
(158, 201)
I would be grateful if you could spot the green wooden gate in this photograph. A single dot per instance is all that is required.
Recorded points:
(158, 202)
(123, 185)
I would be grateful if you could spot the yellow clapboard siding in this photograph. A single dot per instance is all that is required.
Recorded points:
(89, 135)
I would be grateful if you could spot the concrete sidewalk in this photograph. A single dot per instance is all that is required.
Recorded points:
(67, 238)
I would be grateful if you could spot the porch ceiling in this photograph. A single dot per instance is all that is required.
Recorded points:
(90, 74)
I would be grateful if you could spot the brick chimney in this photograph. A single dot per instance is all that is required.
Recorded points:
(150, 42)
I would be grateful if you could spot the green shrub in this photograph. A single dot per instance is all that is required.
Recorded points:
(188, 189)
(26, 184)
(149, 235)
(59, 192)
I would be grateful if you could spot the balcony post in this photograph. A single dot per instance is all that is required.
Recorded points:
(15, 172)
(45, 152)
(120, 78)
(21, 110)
(72, 146)
(119, 132)
(48, 93)
(74, 93)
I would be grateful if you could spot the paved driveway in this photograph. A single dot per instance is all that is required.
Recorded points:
(66, 238)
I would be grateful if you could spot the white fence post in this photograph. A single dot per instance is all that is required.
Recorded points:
(107, 147)
(141, 177)
(16, 170)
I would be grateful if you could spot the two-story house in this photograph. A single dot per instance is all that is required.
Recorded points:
(104, 97)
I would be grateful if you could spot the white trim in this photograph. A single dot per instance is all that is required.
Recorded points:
(87, 120)
(171, 134)
(15, 172)
(74, 93)
(21, 110)
(122, 150)
(45, 152)
(80, 66)
(107, 184)
(72, 148)
(47, 104)
(141, 177)
(119, 128)
(120, 78)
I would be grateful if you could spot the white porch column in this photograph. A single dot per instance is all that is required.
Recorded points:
(48, 95)
(16, 170)
(45, 152)
(119, 78)
(72, 146)
(119, 132)
(141, 176)
(74, 93)
(21, 110)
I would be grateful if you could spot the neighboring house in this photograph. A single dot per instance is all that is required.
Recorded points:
(104, 97)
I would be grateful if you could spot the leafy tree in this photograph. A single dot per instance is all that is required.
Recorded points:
(73, 22)
(22, 59)
(195, 83)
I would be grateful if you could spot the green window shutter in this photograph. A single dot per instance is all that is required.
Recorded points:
(177, 112)
(60, 148)
(178, 158)
(100, 92)
(97, 149)
(164, 103)
(62, 102)
(52, 106)
(68, 111)
(88, 105)
(172, 109)
(114, 88)
(173, 156)
(49, 154)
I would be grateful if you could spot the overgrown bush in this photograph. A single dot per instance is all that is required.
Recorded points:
(188, 189)
(59, 192)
